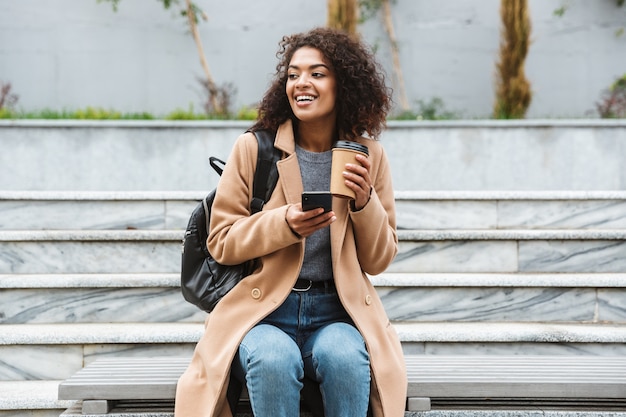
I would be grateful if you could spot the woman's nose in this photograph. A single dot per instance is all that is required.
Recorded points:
(303, 80)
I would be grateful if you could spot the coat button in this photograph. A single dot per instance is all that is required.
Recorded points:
(256, 293)
(368, 299)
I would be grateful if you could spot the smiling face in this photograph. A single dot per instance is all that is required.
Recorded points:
(311, 87)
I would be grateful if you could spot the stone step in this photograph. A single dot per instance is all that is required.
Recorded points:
(514, 297)
(497, 251)
(410, 297)
(502, 280)
(32, 398)
(83, 210)
(406, 304)
(49, 361)
(96, 305)
(386, 279)
(130, 235)
(511, 209)
(181, 333)
(424, 155)
(69, 280)
(90, 251)
(100, 333)
(62, 210)
(148, 251)
(56, 351)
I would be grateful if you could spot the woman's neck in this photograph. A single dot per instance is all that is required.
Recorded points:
(315, 138)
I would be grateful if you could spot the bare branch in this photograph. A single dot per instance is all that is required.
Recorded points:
(395, 53)
(212, 87)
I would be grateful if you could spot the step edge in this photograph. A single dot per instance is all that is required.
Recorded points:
(403, 235)
(494, 279)
(510, 332)
(401, 195)
(114, 196)
(386, 279)
(511, 234)
(32, 395)
(100, 333)
(94, 280)
(449, 332)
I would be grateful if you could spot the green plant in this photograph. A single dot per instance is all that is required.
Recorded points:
(612, 104)
(95, 113)
(222, 98)
(7, 99)
(560, 12)
(189, 114)
(434, 109)
(247, 113)
(513, 94)
(88, 113)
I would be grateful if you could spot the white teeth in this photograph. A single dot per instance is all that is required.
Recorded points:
(305, 98)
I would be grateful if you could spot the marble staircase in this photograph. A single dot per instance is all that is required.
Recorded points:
(85, 275)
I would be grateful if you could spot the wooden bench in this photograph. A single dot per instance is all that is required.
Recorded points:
(434, 382)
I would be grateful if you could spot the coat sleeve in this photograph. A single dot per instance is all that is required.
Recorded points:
(375, 224)
(235, 235)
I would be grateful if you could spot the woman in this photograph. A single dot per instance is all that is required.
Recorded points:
(308, 312)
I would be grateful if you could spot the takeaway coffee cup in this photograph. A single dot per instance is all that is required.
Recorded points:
(344, 152)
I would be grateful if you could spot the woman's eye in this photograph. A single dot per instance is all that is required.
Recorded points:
(292, 76)
(318, 74)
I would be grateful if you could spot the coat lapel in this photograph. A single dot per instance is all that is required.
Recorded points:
(288, 168)
(289, 178)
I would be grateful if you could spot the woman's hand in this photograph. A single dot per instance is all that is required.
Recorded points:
(357, 178)
(304, 223)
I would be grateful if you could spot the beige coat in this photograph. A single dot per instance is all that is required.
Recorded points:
(361, 242)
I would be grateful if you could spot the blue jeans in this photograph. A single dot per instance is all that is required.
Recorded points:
(310, 335)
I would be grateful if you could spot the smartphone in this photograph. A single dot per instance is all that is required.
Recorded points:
(315, 199)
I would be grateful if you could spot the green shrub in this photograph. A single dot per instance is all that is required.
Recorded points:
(428, 110)
(612, 104)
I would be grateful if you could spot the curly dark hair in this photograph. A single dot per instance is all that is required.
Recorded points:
(363, 99)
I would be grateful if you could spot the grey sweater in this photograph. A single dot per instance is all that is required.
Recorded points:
(315, 171)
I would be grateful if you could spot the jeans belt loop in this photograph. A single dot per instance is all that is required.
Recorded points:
(304, 289)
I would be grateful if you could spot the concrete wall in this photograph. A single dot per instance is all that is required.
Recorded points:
(77, 53)
(430, 156)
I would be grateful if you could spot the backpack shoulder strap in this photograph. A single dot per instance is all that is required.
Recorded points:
(266, 174)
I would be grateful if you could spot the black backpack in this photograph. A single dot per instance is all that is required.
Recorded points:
(203, 280)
